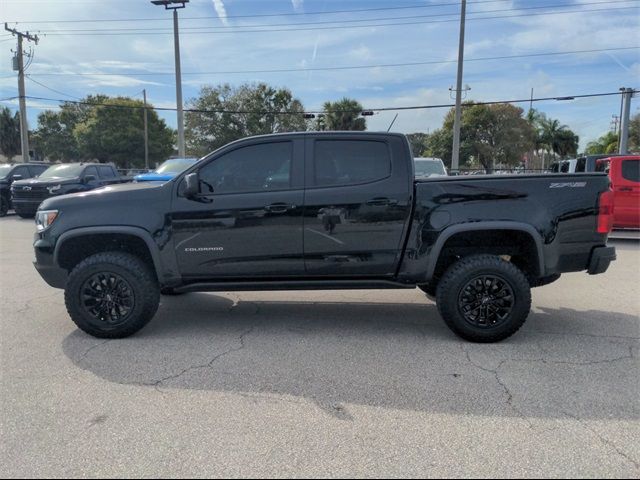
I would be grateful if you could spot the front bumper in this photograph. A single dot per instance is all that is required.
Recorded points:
(601, 257)
(48, 270)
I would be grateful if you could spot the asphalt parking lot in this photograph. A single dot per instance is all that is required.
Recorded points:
(332, 384)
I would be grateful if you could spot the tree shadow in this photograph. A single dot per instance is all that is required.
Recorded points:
(378, 354)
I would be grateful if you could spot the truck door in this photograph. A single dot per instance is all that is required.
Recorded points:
(625, 177)
(358, 195)
(247, 220)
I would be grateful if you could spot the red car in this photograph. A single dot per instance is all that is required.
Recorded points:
(624, 173)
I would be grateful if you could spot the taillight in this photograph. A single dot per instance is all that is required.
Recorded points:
(605, 212)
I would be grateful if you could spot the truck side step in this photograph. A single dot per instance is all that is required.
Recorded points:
(231, 286)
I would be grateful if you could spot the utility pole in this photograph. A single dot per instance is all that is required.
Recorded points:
(146, 132)
(627, 93)
(455, 156)
(175, 5)
(24, 128)
(614, 122)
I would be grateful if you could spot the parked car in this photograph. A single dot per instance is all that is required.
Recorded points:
(564, 166)
(349, 214)
(624, 172)
(426, 167)
(167, 170)
(11, 172)
(61, 179)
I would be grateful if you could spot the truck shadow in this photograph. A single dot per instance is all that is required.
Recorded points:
(562, 363)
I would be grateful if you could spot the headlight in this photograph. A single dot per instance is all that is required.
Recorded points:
(45, 218)
(54, 189)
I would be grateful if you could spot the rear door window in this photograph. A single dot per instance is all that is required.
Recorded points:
(631, 170)
(91, 171)
(350, 162)
(106, 172)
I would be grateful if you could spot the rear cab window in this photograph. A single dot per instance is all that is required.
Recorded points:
(631, 170)
(350, 162)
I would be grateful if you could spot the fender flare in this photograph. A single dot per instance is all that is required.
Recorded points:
(449, 232)
(106, 230)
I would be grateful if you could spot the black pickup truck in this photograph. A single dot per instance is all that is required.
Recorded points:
(337, 210)
(26, 195)
(12, 172)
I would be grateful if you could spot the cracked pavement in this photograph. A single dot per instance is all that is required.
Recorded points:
(332, 384)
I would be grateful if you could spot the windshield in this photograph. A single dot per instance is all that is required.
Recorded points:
(176, 165)
(62, 171)
(4, 170)
(429, 167)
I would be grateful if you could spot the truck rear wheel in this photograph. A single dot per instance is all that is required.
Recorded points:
(483, 298)
(112, 295)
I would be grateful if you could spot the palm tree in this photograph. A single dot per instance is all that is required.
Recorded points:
(342, 115)
(607, 143)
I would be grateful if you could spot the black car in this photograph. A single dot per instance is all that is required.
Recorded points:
(61, 179)
(10, 172)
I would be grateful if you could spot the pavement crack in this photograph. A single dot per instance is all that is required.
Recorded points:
(503, 385)
(157, 384)
(604, 440)
(91, 348)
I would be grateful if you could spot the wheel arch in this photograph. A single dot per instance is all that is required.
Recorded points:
(110, 232)
(504, 226)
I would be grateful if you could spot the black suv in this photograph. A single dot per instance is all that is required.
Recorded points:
(27, 195)
(10, 172)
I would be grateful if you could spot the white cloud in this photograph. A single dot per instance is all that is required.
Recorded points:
(221, 11)
(297, 4)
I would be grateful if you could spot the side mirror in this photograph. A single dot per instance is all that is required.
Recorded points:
(89, 179)
(16, 177)
(191, 185)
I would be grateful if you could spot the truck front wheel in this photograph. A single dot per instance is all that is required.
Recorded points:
(112, 295)
(483, 298)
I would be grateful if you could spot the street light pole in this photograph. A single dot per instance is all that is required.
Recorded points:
(175, 5)
(455, 155)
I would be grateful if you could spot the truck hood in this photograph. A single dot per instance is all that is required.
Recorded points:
(124, 195)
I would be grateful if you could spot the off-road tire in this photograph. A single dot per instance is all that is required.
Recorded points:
(142, 286)
(26, 214)
(450, 297)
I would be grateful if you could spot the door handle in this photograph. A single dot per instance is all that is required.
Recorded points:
(382, 201)
(279, 207)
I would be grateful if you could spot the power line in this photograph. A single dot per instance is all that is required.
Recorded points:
(350, 67)
(228, 27)
(279, 112)
(49, 88)
(286, 14)
(307, 29)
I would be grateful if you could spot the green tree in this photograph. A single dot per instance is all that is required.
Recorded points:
(419, 143)
(9, 133)
(228, 113)
(115, 133)
(607, 143)
(342, 115)
(489, 135)
(634, 133)
(557, 138)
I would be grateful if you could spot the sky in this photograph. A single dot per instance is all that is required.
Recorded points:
(235, 41)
